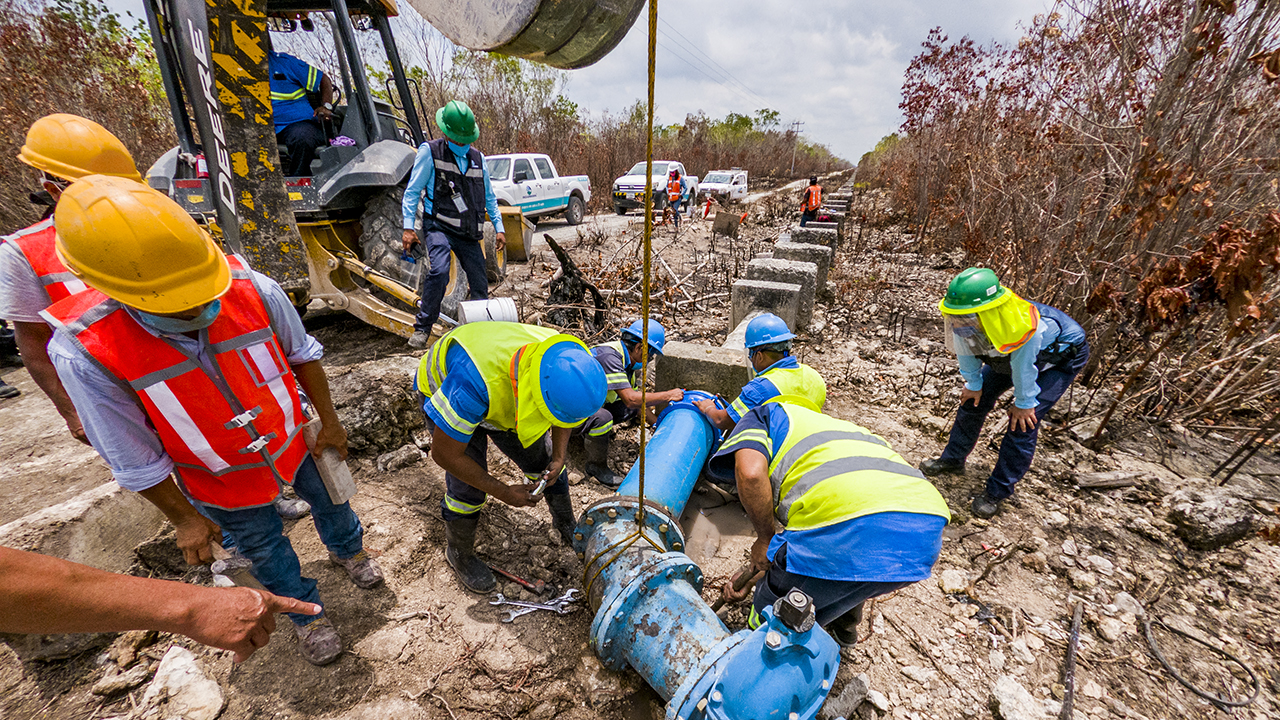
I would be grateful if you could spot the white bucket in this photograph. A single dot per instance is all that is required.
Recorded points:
(500, 309)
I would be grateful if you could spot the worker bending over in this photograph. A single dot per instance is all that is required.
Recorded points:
(184, 362)
(620, 361)
(61, 148)
(1002, 341)
(811, 202)
(526, 388)
(451, 182)
(777, 372)
(857, 520)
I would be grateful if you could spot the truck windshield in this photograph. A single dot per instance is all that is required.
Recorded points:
(714, 178)
(498, 168)
(658, 169)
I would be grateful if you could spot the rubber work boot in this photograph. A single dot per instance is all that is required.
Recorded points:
(845, 628)
(291, 508)
(364, 570)
(598, 461)
(938, 466)
(318, 641)
(984, 507)
(8, 391)
(472, 572)
(562, 516)
(419, 339)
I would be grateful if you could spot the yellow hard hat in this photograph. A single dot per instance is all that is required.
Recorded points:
(71, 147)
(137, 246)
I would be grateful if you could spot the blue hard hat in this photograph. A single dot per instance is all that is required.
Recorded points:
(766, 329)
(657, 335)
(571, 381)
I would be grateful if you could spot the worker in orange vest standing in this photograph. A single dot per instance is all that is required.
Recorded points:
(184, 362)
(62, 148)
(675, 191)
(812, 201)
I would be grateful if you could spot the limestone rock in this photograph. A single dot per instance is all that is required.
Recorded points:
(1021, 652)
(1210, 518)
(953, 581)
(1011, 701)
(385, 645)
(1101, 564)
(919, 674)
(845, 702)
(181, 689)
(393, 707)
(1035, 562)
(377, 403)
(1082, 579)
(1111, 629)
(599, 685)
(407, 455)
(116, 682)
(878, 700)
(1093, 690)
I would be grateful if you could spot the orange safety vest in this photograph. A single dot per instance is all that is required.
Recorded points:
(231, 449)
(673, 189)
(36, 245)
(813, 197)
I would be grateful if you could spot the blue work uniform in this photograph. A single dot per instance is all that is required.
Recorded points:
(1039, 373)
(858, 520)
(619, 374)
(296, 125)
(788, 376)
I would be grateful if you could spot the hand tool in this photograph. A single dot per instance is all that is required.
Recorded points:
(744, 577)
(537, 586)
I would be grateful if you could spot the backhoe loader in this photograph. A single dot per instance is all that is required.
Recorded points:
(334, 235)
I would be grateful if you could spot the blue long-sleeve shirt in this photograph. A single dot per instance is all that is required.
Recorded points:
(1026, 388)
(422, 183)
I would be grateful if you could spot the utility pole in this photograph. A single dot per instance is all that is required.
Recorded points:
(795, 130)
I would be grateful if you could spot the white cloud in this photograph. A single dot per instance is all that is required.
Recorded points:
(837, 66)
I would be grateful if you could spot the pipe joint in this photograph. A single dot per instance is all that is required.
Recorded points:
(660, 526)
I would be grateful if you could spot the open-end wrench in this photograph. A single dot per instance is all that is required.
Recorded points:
(558, 606)
(514, 613)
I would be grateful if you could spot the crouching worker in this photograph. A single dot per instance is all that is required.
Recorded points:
(524, 386)
(620, 361)
(857, 520)
(183, 361)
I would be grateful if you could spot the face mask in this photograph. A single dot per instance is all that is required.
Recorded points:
(458, 149)
(176, 326)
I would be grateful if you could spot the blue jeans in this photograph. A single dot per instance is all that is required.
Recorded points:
(1018, 446)
(260, 534)
(807, 216)
(438, 245)
(831, 598)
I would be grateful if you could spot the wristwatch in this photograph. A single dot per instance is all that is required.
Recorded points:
(328, 106)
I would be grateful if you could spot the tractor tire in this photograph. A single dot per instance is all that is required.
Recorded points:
(576, 211)
(381, 245)
(495, 263)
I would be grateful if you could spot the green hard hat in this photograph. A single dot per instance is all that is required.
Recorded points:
(457, 122)
(971, 290)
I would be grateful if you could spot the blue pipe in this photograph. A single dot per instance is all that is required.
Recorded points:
(650, 615)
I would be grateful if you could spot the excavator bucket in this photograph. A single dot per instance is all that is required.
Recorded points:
(562, 33)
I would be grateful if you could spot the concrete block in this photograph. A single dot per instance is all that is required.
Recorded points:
(701, 367)
(100, 528)
(819, 255)
(837, 226)
(804, 274)
(781, 299)
(829, 238)
(737, 337)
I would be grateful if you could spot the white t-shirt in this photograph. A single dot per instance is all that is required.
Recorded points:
(22, 296)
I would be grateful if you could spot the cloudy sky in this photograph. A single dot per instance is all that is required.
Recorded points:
(836, 66)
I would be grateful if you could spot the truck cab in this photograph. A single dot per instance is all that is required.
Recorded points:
(628, 190)
(724, 184)
(529, 181)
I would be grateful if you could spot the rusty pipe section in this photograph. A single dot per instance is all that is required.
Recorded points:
(650, 615)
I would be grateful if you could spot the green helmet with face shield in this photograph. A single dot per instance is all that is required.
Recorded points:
(970, 291)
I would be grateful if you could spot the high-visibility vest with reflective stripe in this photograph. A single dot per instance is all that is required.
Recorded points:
(232, 449)
(828, 471)
(611, 378)
(492, 346)
(36, 245)
(803, 381)
(673, 189)
(813, 197)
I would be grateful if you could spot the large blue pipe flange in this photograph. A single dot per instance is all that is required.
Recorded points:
(617, 608)
(619, 508)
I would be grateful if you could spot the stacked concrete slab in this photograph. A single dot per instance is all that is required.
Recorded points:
(804, 274)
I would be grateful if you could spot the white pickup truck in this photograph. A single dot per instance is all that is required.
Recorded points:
(725, 184)
(628, 190)
(530, 182)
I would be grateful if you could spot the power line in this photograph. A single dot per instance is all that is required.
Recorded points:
(721, 68)
(707, 75)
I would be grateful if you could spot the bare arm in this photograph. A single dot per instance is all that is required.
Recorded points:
(316, 384)
(719, 418)
(451, 455)
(326, 96)
(194, 531)
(33, 343)
(631, 397)
(41, 594)
(756, 494)
(559, 452)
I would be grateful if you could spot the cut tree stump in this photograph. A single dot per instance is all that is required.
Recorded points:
(1109, 480)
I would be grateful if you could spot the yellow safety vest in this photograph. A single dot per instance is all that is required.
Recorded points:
(828, 471)
(492, 346)
(614, 378)
(803, 381)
